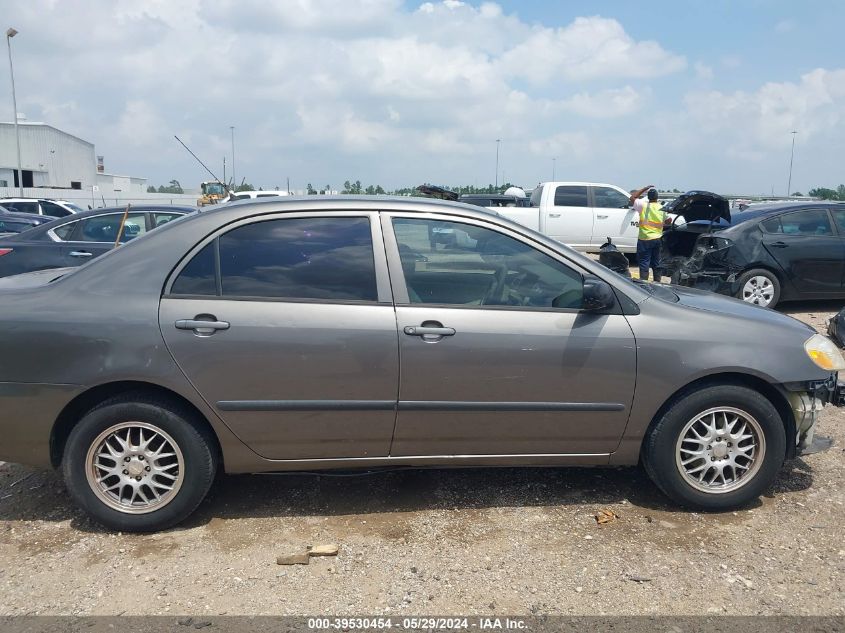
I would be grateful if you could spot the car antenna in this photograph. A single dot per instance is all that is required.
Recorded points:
(228, 190)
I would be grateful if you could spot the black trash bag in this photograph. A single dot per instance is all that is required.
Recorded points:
(836, 328)
(610, 257)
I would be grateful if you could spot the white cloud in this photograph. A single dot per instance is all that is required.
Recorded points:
(605, 104)
(589, 48)
(814, 106)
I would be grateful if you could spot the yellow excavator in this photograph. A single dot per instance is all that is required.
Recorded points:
(212, 192)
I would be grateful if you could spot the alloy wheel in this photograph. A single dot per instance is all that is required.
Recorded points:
(720, 450)
(135, 467)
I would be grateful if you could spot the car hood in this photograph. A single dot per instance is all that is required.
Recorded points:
(700, 205)
(33, 279)
(735, 307)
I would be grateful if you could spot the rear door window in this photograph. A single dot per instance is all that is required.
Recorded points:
(54, 210)
(571, 196)
(806, 222)
(300, 258)
(839, 218)
(64, 231)
(22, 206)
(163, 218)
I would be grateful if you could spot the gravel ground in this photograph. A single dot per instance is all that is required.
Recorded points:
(516, 541)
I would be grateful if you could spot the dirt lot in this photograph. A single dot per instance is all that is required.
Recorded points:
(441, 542)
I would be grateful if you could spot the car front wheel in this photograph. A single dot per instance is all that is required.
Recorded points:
(717, 448)
(138, 465)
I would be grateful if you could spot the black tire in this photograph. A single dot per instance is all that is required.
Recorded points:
(661, 447)
(760, 272)
(197, 446)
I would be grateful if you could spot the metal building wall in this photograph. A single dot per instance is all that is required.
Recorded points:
(63, 157)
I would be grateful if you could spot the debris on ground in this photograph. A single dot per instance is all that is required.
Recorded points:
(636, 578)
(300, 558)
(323, 550)
(606, 516)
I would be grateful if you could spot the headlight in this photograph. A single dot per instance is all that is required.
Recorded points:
(824, 353)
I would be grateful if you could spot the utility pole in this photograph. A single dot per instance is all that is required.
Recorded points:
(498, 140)
(234, 179)
(225, 183)
(791, 156)
(554, 160)
(10, 33)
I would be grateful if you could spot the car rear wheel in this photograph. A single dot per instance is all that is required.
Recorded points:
(136, 464)
(760, 287)
(716, 448)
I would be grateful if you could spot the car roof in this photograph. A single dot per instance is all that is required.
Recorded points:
(771, 208)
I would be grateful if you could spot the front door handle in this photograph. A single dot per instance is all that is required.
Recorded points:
(602, 217)
(201, 326)
(779, 244)
(428, 330)
(554, 215)
(81, 254)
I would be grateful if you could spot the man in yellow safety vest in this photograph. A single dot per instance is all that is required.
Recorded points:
(652, 217)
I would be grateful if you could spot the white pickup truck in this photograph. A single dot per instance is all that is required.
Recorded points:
(580, 214)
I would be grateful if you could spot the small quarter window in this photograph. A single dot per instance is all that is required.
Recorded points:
(198, 277)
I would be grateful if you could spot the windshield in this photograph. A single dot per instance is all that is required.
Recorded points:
(214, 188)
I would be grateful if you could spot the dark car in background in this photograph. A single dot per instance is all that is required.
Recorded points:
(41, 206)
(765, 254)
(11, 222)
(77, 238)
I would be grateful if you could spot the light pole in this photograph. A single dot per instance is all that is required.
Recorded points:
(10, 33)
(791, 156)
(234, 180)
(498, 140)
(554, 160)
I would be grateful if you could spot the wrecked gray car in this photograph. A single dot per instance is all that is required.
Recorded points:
(763, 255)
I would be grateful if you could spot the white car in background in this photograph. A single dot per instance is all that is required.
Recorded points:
(252, 195)
(580, 214)
(40, 206)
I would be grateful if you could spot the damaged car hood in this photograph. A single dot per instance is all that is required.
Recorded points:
(696, 206)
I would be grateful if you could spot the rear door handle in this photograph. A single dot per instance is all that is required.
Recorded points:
(425, 330)
(81, 254)
(198, 325)
(779, 244)
(602, 217)
(554, 215)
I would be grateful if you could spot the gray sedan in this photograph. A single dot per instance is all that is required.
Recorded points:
(301, 334)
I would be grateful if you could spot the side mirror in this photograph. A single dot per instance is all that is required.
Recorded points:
(598, 295)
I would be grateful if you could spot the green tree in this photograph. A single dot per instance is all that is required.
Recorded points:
(151, 189)
(797, 194)
(840, 190)
(175, 187)
(244, 186)
(824, 193)
(311, 191)
(379, 190)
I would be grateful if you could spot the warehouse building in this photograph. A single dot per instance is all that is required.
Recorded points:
(54, 159)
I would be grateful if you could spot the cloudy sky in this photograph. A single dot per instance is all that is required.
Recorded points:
(691, 94)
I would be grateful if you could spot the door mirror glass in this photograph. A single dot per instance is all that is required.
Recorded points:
(598, 295)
